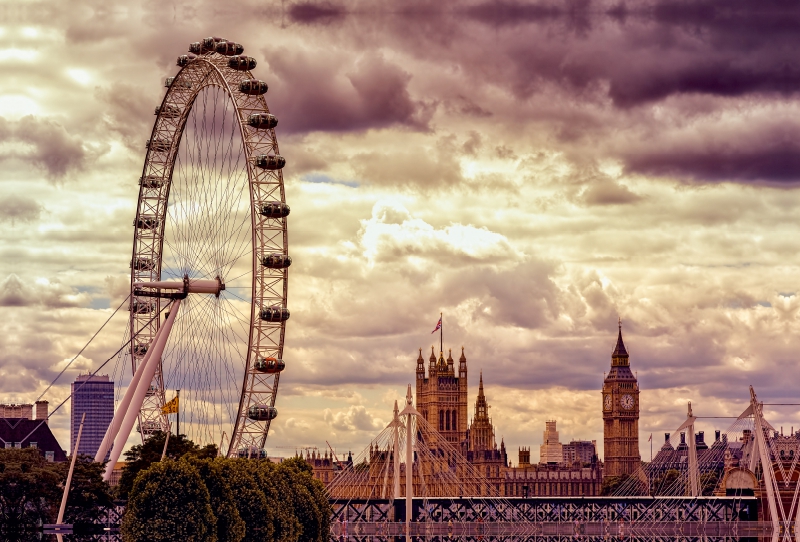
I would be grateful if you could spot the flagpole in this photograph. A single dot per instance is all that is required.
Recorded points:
(441, 333)
(178, 431)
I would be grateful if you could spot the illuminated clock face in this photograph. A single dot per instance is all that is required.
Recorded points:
(607, 402)
(626, 402)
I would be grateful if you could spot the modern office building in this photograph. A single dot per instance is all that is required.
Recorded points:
(93, 395)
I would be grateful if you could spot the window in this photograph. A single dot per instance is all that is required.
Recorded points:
(8, 445)
(50, 456)
(34, 445)
(17, 445)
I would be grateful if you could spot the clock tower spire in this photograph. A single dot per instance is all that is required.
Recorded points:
(620, 415)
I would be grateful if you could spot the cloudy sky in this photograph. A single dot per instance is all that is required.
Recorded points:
(533, 170)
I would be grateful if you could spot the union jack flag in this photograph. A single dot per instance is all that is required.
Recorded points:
(438, 326)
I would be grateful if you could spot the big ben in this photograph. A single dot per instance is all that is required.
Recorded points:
(620, 415)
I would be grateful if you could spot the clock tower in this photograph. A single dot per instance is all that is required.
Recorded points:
(620, 415)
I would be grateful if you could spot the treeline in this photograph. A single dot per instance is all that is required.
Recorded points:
(226, 500)
(31, 490)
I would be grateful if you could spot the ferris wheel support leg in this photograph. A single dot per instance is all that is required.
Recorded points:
(137, 399)
(116, 422)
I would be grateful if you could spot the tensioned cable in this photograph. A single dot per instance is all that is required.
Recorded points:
(84, 348)
(88, 379)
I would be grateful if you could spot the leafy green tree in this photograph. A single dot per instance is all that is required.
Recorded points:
(668, 484)
(168, 502)
(310, 500)
(249, 499)
(230, 526)
(29, 490)
(708, 483)
(88, 494)
(612, 483)
(141, 456)
(278, 494)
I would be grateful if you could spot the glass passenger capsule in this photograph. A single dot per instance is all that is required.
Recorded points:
(141, 307)
(158, 145)
(147, 222)
(169, 81)
(251, 452)
(242, 63)
(275, 209)
(205, 45)
(229, 48)
(183, 60)
(276, 260)
(142, 264)
(168, 111)
(270, 161)
(274, 314)
(151, 181)
(262, 121)
(151, 391)
(140, 350)
(253, 87)
(148, 427)
(262, 413)
(269, 365)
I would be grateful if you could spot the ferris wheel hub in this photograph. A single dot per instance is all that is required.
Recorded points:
(185, 287)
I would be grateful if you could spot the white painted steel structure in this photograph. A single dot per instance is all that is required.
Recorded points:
(210, 236)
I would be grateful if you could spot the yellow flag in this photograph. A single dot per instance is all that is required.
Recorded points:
(171, 407)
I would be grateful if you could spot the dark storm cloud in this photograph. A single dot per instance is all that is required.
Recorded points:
(323, 13)
(22, 209)
(51, 295)
(328, 92)
(753, 153)
(653, 52)
(775, 165)
(13, 293)
(53, 148)
(130, 111)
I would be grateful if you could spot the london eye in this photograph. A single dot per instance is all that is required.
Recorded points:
(210, 244)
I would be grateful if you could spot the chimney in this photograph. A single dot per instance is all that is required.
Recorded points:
(683, 437)
(716, 435)
(42, 408)
(666, 438)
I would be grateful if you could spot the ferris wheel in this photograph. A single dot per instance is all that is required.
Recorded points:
(210, 251)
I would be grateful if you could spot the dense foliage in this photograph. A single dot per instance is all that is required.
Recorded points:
(248, 500)
(31, 490)
(169, 501)
(141, 456)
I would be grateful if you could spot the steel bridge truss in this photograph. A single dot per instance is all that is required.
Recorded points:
(521, 518)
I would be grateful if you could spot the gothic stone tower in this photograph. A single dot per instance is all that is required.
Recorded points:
(482, 449)
(620, 415)
(442, 396)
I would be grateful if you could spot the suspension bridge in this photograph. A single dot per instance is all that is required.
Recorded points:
(411, 484)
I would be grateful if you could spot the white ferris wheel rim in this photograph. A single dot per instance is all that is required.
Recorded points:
(211, 71)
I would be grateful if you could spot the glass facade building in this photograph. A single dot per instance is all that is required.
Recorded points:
(93, 395)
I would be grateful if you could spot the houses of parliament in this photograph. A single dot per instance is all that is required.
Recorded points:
(563, 470)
